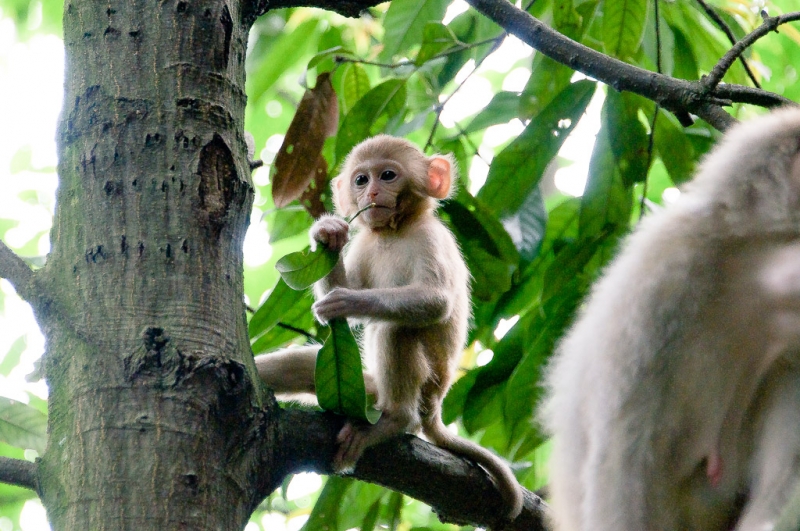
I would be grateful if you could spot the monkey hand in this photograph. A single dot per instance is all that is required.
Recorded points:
(340, 302)
(330, 231)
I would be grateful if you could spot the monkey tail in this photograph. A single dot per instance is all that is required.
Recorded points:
(506, 483)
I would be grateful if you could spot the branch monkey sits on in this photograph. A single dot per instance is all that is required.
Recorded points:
(403, 276)
(674, 401)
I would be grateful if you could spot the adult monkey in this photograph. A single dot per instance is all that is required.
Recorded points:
(674, 401)
(403, 276)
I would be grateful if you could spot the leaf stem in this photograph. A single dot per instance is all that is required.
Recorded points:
(371, 205)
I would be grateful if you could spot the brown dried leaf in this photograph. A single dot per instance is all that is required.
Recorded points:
(296, 164)
(312, 196)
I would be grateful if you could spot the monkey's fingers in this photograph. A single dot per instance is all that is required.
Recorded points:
(331, 232)
(335, 304)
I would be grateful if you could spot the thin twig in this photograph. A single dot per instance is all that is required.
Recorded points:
(714, 77)
(498, 41)
(18, 472)
(296, 330)
(752, 96)
(450, 51)
(16, 271)
(651, 140)
(721, 24)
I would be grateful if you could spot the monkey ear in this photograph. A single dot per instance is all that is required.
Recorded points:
(439, 177)
(340, 194)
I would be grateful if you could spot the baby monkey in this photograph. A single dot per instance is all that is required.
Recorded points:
(402, 276)
(674, 401)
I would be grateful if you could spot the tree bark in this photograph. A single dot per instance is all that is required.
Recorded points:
(157, 418)
(152, 395)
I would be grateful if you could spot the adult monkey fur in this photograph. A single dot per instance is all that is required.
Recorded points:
(403, 276)
(674, 401)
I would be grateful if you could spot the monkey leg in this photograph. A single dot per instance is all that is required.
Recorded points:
(400, 369)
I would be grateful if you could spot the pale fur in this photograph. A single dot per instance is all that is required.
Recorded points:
(678, 388)
(402, 275)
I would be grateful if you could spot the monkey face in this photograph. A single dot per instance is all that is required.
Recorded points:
(380, 182)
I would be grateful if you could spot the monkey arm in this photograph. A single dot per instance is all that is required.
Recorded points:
(412, 305)
(336, 278)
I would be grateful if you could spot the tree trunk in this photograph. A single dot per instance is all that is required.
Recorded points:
(153, 406)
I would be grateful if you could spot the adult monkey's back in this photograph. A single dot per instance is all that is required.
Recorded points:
(678, 388)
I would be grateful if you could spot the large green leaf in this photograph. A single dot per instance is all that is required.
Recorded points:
(436, 38)
(527, 225)
(324, 516)
(384, 100)
(301, 269)
(523, 388)
(280, 300)
(607, 200)
(405, 24)
(519, 167)
(296, 314)
(623, 26)
(287, 222)
(22, 426)
(674, 148)
(339, 379)
(283, 52)
(503, 108)
(355, 84)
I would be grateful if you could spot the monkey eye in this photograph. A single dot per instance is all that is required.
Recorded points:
(388, 175)
(361, 179)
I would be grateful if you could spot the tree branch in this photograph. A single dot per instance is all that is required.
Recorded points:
(458, 490)
(676, 95)
(252, 9)
(770, 24)
(714, 16)
(18, 472)
(16, 271)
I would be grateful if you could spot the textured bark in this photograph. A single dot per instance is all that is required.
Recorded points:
(153, 408)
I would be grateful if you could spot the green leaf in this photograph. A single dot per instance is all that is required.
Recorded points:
(523, 389)
(503, 108)
(355, 84)
(607, 200)
(623, 26)
(685, 61)
(436, 38)
(385, 99)
(324, 54)
(22, 426)
(674, 148)
(287, 222)
(285, 50)
(517, 169)
(324, 516)
(11, 359)
(629, 139)
(566, 19)
(338, 378)
(527, 225)
(298, 315)
(405, 24)
(281, 299)
(301, 269)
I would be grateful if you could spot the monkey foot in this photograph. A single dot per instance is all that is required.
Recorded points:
(352, 440)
